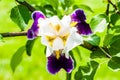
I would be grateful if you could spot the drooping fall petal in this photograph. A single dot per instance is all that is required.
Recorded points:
(54, 64)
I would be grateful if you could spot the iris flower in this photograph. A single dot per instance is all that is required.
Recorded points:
(60, 36)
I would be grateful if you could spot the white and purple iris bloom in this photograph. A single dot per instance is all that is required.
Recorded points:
(59, 36)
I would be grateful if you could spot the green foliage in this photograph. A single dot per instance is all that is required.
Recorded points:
(114, 18)
(20, 15)
(114, 45)
(94, 40)
(21, 0)
(68, 3)
(78, 75)
(99, 23)
(98, 53)
(114, 63)
(29, 46)
(17, 58)
(84, 7)
(1, 37)
(87, 72)
(54, 3)
(107, 39)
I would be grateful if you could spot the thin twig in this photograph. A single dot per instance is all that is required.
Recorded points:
(114, 6)
(27, 5)
(107, 10)
(13, 34)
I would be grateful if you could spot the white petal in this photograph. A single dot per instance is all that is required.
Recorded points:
(65, 25)
(66, 20)
(101, 26)
(58, 44)
(73, 40)
(49, 51)
(44, 41)
(45, 28)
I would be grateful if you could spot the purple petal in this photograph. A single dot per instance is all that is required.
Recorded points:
(37, 14)
(78, 15)
(66, 63)
(83, 28)
(54, 64)
(32, 33)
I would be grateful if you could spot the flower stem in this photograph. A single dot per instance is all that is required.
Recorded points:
(68, 76)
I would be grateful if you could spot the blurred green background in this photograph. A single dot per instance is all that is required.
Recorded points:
(34, 67)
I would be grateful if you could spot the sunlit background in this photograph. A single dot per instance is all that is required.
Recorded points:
(34, 67)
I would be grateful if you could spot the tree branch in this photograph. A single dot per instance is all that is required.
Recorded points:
(13, 34)
(27, 5)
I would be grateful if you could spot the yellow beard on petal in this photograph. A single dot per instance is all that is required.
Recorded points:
(56, 27)
(73, 24)
(64, 38)
(50, 39)
(57, 53)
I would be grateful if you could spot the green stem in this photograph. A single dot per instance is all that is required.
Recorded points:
(105, 52)
(68, 76)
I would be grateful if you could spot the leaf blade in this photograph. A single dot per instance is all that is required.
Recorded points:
(29, 46)
(20, 15)
(17, 58)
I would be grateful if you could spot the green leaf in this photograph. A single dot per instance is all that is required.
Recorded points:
(94, 40)
(97, 54)
(17, 58)
(68, 3)
(20, 15)
(107, 39)
(21, 0)
(83, 6)
(93, 68)
(29, 46)
(114, 18)
(114, 45)
(116, 29)
(118, 4)
(71, 53)
(54, 3)
(1, 37)
(49, 10)
(86, 72)
(78, 75)
(114, 63)
(99, 23)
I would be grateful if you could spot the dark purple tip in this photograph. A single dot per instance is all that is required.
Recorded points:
(54, 64)
(37, 14)
(83, 28)
(78, 15)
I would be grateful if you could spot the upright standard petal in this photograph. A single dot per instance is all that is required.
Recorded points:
(37, 14)
(54, 64)
(33, 31)
(78, 15)
(78, 20)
